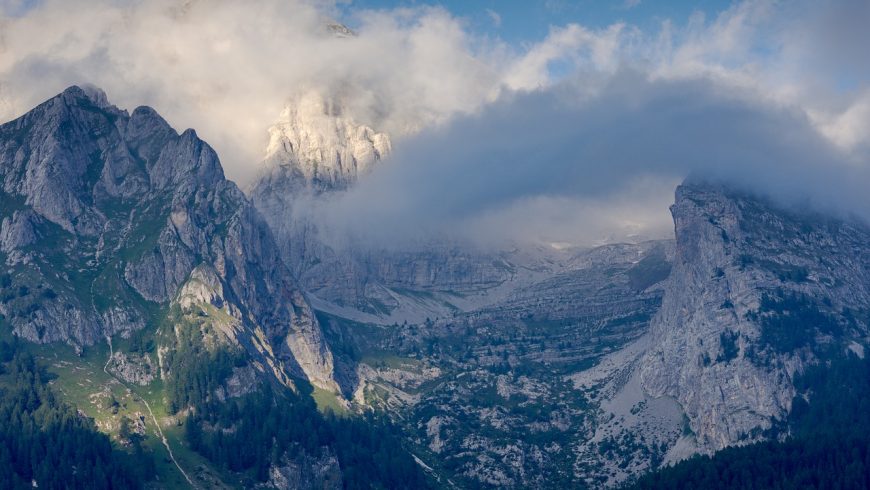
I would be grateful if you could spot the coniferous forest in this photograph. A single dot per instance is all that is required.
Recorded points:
(46, 442)
(274, 425)
(250, 433)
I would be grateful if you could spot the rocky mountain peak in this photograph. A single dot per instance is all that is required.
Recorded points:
(95, 94)
(339, 30)
(146, 132)
(106, 215)
(316, 145)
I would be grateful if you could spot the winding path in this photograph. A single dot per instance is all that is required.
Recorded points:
(156, 424)
(163, 439)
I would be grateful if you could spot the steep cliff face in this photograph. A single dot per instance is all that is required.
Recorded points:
(106, 215)
(427, 280)
(756, 293)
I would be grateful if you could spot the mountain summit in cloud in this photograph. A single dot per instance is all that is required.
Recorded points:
(518, 245)
(315, 146)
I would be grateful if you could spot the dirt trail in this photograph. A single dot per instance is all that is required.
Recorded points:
(156, 424)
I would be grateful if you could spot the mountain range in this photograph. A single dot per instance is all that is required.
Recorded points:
(222, 336)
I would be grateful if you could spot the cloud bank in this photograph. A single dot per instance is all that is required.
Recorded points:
(766, 96)
(226, 68)
(599, 159)
(578, 138)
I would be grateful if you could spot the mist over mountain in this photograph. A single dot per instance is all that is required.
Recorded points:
(420, 75)
(586, 144)
(546, 245)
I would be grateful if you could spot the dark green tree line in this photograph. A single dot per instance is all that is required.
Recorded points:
(825, 443)
(44, 441)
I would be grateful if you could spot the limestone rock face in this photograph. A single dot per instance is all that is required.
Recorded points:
(132, 368)
(18, 230)
(106, 214)
(305, 472)
(740, 262)
(244, 380)
(428, 280)
(315, 146)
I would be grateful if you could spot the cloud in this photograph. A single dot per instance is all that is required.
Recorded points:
(850, 128)
(595, 50)
(801, 53)
(596, 159)
(494, 16)
(226, 68)
(579, 137)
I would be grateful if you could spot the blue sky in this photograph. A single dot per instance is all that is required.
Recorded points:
(521, 22)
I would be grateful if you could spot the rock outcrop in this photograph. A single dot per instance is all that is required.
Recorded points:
(132, 368)
(305, 472)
